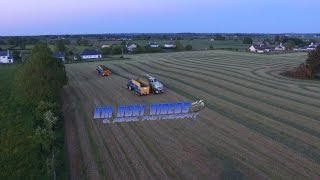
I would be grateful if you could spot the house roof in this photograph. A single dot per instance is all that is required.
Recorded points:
(88, 52)
(171, 43)
(58, 54)
(3, 53)
(153, 43)
(261, 47)
(132, 46)
(6, 53)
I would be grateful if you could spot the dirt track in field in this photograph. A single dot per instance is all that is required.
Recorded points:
(257, 124)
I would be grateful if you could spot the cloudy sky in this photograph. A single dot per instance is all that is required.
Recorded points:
(35, 17)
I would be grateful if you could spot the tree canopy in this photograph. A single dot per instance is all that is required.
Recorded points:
(313, 61)
(40, 77)
(247, 40)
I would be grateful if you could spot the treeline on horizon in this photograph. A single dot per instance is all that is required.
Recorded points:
(146, 36)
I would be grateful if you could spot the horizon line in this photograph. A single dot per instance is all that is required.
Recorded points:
(132, 33)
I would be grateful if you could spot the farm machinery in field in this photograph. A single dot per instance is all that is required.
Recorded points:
(145, 84)
(103, 70)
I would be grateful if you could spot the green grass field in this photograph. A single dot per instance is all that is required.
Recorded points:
(256, 125)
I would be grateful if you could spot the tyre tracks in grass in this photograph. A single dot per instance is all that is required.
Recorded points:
(262, 73)
(101, 147)
(155, 148)
(121, 138)
(239, 74)
(156, 129)
(75, 154)
(124, 147)
(235, 74)
(95, 168)
(113, 140)
(302, 104)
(221, 89)
(260, 128)
(165, 128)
(116, 147)
(240, 62)
(292, 112)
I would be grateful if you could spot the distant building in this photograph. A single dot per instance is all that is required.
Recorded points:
(105, 46)
(6, 57)
(90, 54)
(280, 47)
(259, 48)
(59, 55)
(153, 44)
(169, 45)
(131, 47)
(312, 46)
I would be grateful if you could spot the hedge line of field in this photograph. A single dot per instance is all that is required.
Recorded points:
(32, 140)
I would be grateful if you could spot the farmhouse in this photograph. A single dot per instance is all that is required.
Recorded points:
(131, 47)
(6, 57)
(59, 55)
(90, 54)
(153, 45)
(259, 48)
(280, 48)
(312, 46)
(169, 45)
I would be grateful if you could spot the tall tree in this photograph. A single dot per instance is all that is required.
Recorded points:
(247, 40)
(178, 44)
(60, 46)
(290, 44)
(313, 61)
(40, 78)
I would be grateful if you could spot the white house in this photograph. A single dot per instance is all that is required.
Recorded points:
(312, 46)
(90, 54)
(131, 47)
(259, 48)
(6, 57)
(280, 48)
(169, 45)
(153, 44)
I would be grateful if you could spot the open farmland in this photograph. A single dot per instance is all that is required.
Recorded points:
(257, 124)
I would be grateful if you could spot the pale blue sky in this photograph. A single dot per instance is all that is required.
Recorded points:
(34, 17)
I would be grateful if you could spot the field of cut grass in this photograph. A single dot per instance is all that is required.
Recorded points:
(257, 124)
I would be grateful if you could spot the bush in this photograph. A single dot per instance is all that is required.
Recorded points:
(302, 72)
(308, 70)
(105, 51)
(247, 40)
(313, 61)
(188, 47)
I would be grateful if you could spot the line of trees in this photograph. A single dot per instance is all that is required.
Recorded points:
(36, 90)
(118, 49)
